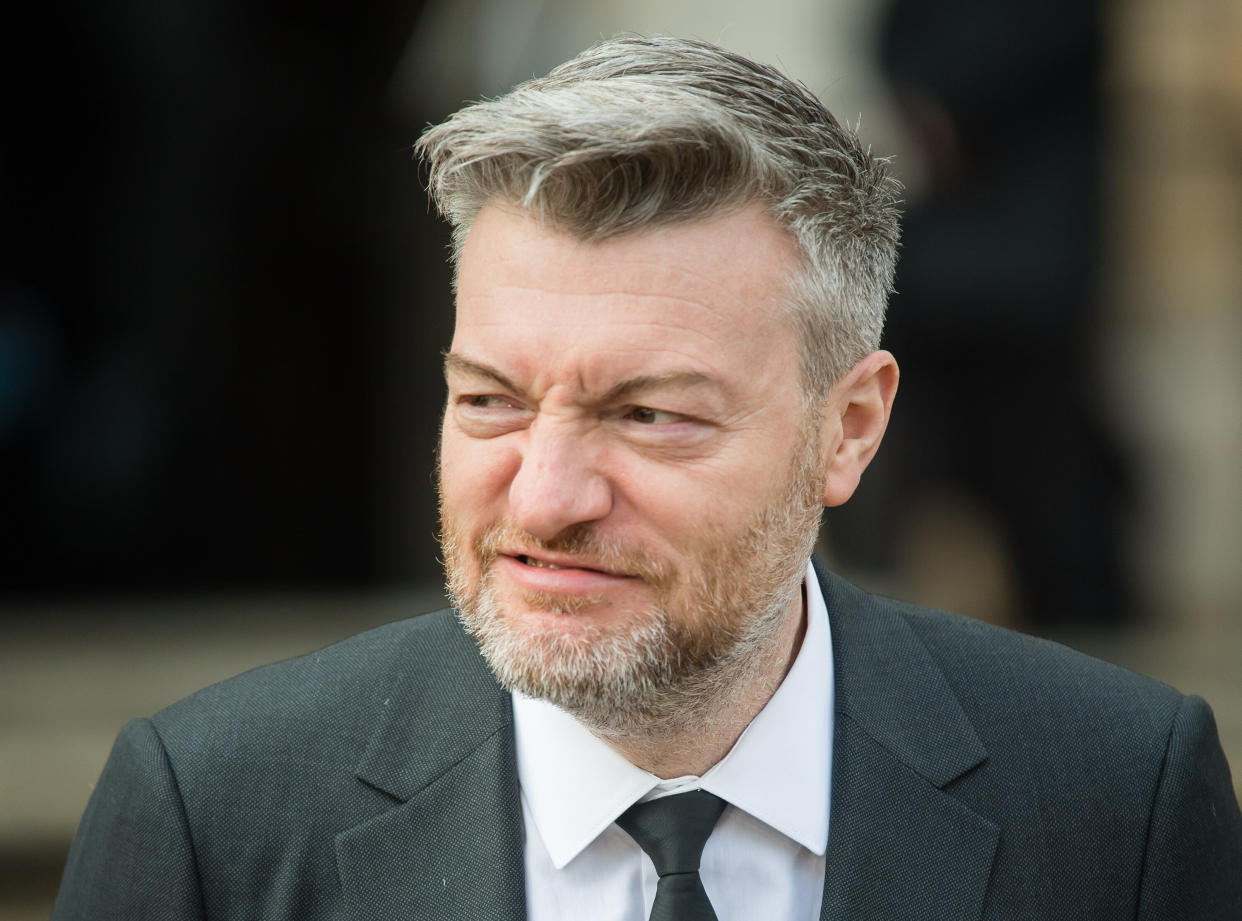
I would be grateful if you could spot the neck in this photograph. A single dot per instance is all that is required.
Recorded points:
(697, 726)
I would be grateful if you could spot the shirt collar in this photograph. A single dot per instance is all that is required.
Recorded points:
(575, 786)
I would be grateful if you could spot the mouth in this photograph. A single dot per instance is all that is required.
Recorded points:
(538, 573)
(539, 563)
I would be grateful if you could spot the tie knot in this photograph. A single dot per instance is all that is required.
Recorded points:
(673, 829)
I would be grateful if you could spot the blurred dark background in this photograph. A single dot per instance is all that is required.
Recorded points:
(221, 299)
(996, 317)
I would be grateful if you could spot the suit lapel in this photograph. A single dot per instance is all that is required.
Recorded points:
(450, 848)
(900, 846)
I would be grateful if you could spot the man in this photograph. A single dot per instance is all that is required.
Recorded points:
(672, 271)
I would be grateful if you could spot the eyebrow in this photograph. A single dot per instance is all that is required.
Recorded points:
(453, 361)
(463, 365)
(646, 382)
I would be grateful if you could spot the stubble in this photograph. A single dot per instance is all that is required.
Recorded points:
(709, 638)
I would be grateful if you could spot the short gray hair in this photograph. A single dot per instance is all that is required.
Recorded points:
(636, 132)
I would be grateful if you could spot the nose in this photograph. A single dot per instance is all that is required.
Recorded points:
(559, 483)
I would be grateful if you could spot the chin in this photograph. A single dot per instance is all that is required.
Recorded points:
(571, 660)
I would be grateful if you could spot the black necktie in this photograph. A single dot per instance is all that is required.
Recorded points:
(672, 830)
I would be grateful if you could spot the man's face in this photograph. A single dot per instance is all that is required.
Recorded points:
(630, 484)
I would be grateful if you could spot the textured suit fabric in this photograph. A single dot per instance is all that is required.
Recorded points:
(977, 774)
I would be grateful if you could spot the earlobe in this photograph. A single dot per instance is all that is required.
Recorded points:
(856, 416)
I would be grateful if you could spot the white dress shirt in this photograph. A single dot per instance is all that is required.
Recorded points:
(765, 858)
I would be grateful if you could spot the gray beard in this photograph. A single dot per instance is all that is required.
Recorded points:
(659, 674)
(637, 683)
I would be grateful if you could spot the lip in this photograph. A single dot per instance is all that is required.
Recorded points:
(571, 577)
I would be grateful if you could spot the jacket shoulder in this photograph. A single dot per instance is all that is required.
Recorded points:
(1005, 663)
(329, 697)
(991, 668)
(1050, 711)
(1108, 790)
(244, 787)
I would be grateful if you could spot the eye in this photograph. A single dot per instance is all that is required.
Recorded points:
(648, 416)
(488, 415)
(488, 401)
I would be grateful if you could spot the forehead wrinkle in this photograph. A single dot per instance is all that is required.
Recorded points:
(591, 366)
(694, 277)
(722, 329)
(538, 292)
(719, 333)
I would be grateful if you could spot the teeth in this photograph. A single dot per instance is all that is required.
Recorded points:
(541, 564)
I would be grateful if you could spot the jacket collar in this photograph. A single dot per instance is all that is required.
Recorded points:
(900, 846)
(450, 849)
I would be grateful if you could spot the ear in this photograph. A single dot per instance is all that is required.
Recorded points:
(855, 417)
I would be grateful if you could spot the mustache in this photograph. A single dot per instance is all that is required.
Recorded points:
(584, 543)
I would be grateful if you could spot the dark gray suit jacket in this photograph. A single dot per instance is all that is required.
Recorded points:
(977, 774)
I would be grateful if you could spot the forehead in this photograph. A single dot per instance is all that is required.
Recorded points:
(705, 295)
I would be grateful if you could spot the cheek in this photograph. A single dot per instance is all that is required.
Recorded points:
(676, 516)
(700, 498)
(474, 473)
